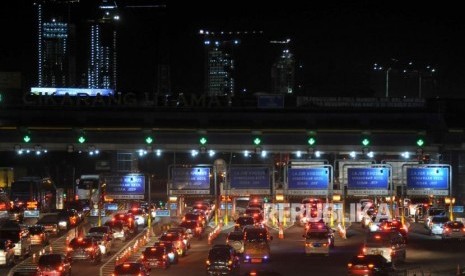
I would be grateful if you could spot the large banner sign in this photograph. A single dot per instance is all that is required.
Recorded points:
(308, 181)
(128, 186)
(367, 181)
(249, 178)
(196, 178)
(426, 181)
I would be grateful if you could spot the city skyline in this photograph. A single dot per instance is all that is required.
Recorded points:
(336, 44)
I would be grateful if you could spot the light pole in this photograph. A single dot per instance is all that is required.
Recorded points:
(387, 82)
(450, 201)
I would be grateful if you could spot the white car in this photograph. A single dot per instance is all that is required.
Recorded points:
(436, 225)
(140, 216)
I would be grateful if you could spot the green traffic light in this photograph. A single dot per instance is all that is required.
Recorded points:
(27, 139)
(81, 139)
(366, 142)
(257, 141)
(149, 140)
(311, 141)
(203, 140)
(420, 142)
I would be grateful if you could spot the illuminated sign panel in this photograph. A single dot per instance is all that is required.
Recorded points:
(196, 178)
(428, 178)
(125, 186)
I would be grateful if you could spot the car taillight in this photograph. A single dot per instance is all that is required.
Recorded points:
(113, 274)
(230, 262)
(164, 257)
(208, 262)
(90, 249)
(463, 229)
(142, 257)
(446, 229)
(364, 250)
(325, 244)
(60, 268)
(69, 249)
(349, 265)
(140, 274)
(371, 266)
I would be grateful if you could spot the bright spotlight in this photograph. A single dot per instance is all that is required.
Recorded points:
(298, 154)
(317, 154)
(353, 154)
(263, 153)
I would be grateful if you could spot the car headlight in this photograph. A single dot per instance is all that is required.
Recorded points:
(62, 223)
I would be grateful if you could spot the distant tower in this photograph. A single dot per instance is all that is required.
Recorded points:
(102, 68)
(283, 72)
(55, 61)
(219, 67)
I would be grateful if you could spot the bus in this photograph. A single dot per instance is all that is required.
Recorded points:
(27, 189)
(88, 189)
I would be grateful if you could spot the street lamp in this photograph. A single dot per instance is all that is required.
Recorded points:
(450, 201)
(377, 67)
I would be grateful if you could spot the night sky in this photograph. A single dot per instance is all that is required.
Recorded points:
(336, 42)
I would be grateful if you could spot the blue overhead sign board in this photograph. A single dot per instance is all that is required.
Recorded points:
(128, 184)
(308, 178)
(196, 178)
(249, 177)
(367, 178)
(433, 178)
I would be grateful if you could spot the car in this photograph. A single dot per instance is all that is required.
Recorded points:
(256, 245)
(394, 225)
(104, 240)
(128, 220)
(68, 218)
(38, 235)
(222, 260)
(19, 236)
(177, 241)
(53, 265)
(140, 216)
(193, 228)
(183, 232)
(433, 212)
(7, 253)
(255, 213)
(131, 269)
(391, 245)
(453, 230)
(119, 231)
(155, 256)
(199, 218)
(255, 203)
(369, 265)
(310, 208)
(318, 242)
(84, 249)
(436, 224)
(50, 223)
(243, 221)
(236, 240)
(171, 251)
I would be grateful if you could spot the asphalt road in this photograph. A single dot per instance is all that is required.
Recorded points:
(424, 252)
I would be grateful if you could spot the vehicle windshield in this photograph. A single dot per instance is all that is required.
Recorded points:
(455, 224)
(245, 221)
(191, 217)
(256, 236)
(440, 219)
(87, 183)
(81, 243)
(436, 212)
(218, 254)
(102, 230)
(36, 230)
(169, 237)
(154, 251)
(132, 268)
(51, 260)
(12, 235)
(48, 219)
(378, 240)
(316, 235)
(235, 236)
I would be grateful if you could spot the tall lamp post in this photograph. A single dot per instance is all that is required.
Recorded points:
(451, 202)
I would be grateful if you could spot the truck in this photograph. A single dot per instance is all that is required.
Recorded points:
(32, 188)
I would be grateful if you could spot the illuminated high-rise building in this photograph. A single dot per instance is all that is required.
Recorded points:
(56, 65)
(102, 64)
(283, 74)
(219, 67)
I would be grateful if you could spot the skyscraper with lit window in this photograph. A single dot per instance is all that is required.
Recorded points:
(56, 65)
(219, 67)
(283, 73)
(102, 64)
